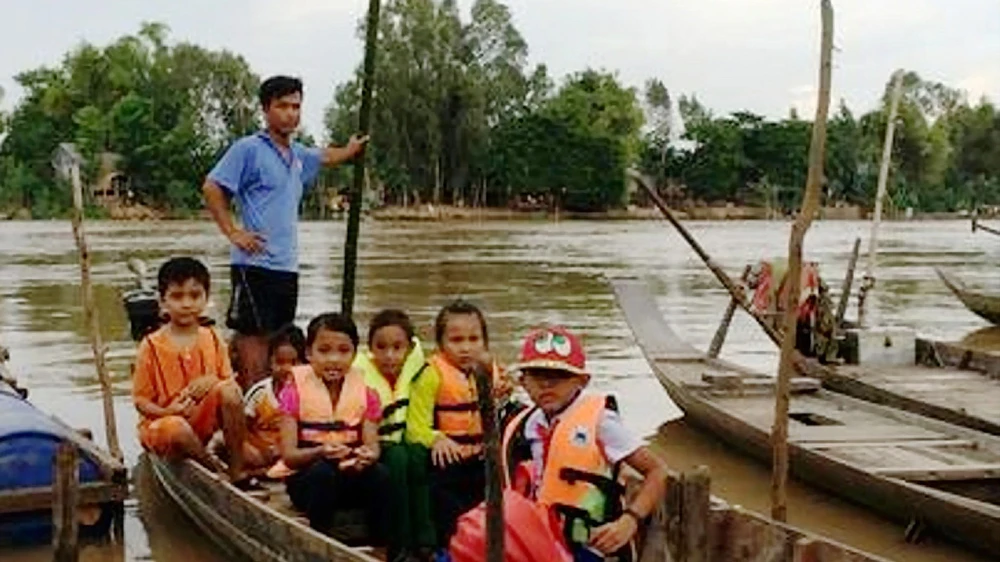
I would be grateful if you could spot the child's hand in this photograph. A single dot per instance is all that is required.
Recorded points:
(610, 537)
(445, 452)
(335, 452)
(181, 406)
(200, 386)
(503, 387)
(366, 456)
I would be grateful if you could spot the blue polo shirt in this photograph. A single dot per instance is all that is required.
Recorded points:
(267, 187)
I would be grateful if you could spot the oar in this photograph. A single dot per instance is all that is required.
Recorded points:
(739, 296)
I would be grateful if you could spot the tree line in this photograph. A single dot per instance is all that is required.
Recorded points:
(460, 117)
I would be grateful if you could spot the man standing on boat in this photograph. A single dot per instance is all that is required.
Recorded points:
(266, 173)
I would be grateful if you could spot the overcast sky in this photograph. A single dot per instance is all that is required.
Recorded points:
(759, 55)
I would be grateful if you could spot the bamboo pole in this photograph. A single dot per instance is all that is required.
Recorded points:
(734, 290)
(494, 487)
(91, 315)
(810, 205)
(868, 282)
(357, 189)
(727, 319)
(976, 226)
(845, 288)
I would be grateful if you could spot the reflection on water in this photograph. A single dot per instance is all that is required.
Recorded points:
(522, 273)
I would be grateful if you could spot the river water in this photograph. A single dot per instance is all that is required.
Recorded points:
(522, 273)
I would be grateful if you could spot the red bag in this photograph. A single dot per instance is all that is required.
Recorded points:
(530, 533)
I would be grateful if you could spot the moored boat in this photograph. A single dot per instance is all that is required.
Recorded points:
(982, 304)
(29, 439)
(910, 468)
(948, 381)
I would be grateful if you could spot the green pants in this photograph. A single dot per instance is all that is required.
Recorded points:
(410, 514)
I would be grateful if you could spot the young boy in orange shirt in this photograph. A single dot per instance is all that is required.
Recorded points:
(183, 383)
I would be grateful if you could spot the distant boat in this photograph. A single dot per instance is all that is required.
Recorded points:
(984, 305)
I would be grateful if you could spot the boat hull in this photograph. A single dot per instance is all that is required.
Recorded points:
(29, 439)
(243, 525)
(825, 449)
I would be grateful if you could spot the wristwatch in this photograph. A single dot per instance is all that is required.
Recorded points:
(635, 515)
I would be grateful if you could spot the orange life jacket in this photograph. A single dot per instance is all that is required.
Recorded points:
(319, 421)
(576, 480)
(456, 409)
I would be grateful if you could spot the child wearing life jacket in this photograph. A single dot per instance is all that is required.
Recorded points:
(393, 361)
(286, 349)
(183, 385)
(566, 451)
(329, 433)
(444, 414)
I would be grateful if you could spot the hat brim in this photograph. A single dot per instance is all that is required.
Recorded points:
(550, 365)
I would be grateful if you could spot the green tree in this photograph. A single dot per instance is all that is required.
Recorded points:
(167, 110)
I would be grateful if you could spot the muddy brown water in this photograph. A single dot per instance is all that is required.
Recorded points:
(522, 273)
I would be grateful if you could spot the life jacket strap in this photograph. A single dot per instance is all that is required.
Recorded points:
(460, 407)
(391, 408)
(338, 425)
(469, 439)
(391, 428)
(609, 487)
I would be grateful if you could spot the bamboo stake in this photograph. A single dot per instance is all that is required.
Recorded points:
(868, 282)
(92, 316)
(845, 289)
(357, 190)
(727, 319)
(494, 488)
(810, 205)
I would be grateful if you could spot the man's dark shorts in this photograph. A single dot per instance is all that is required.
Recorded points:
(262, 300)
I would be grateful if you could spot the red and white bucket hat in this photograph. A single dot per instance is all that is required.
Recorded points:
(552, 347)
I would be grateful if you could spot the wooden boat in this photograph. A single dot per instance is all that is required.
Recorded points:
(910, 468)
(948, 381)
(29, 439)
(250, 526)
(984, 305)
(266, 528)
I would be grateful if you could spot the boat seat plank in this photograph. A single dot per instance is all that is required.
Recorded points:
(872, 458)
(952, 472)
(858, 434)
(957, 443)
(731, 380)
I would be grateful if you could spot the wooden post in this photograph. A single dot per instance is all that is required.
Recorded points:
(65, 496)
(494, 482)
(357, 189)
(91, 315)
(805, 550)
(657, 540)
(696, 506)
(727, 319)
(845, 288)
(868, 282)
(810, 205)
